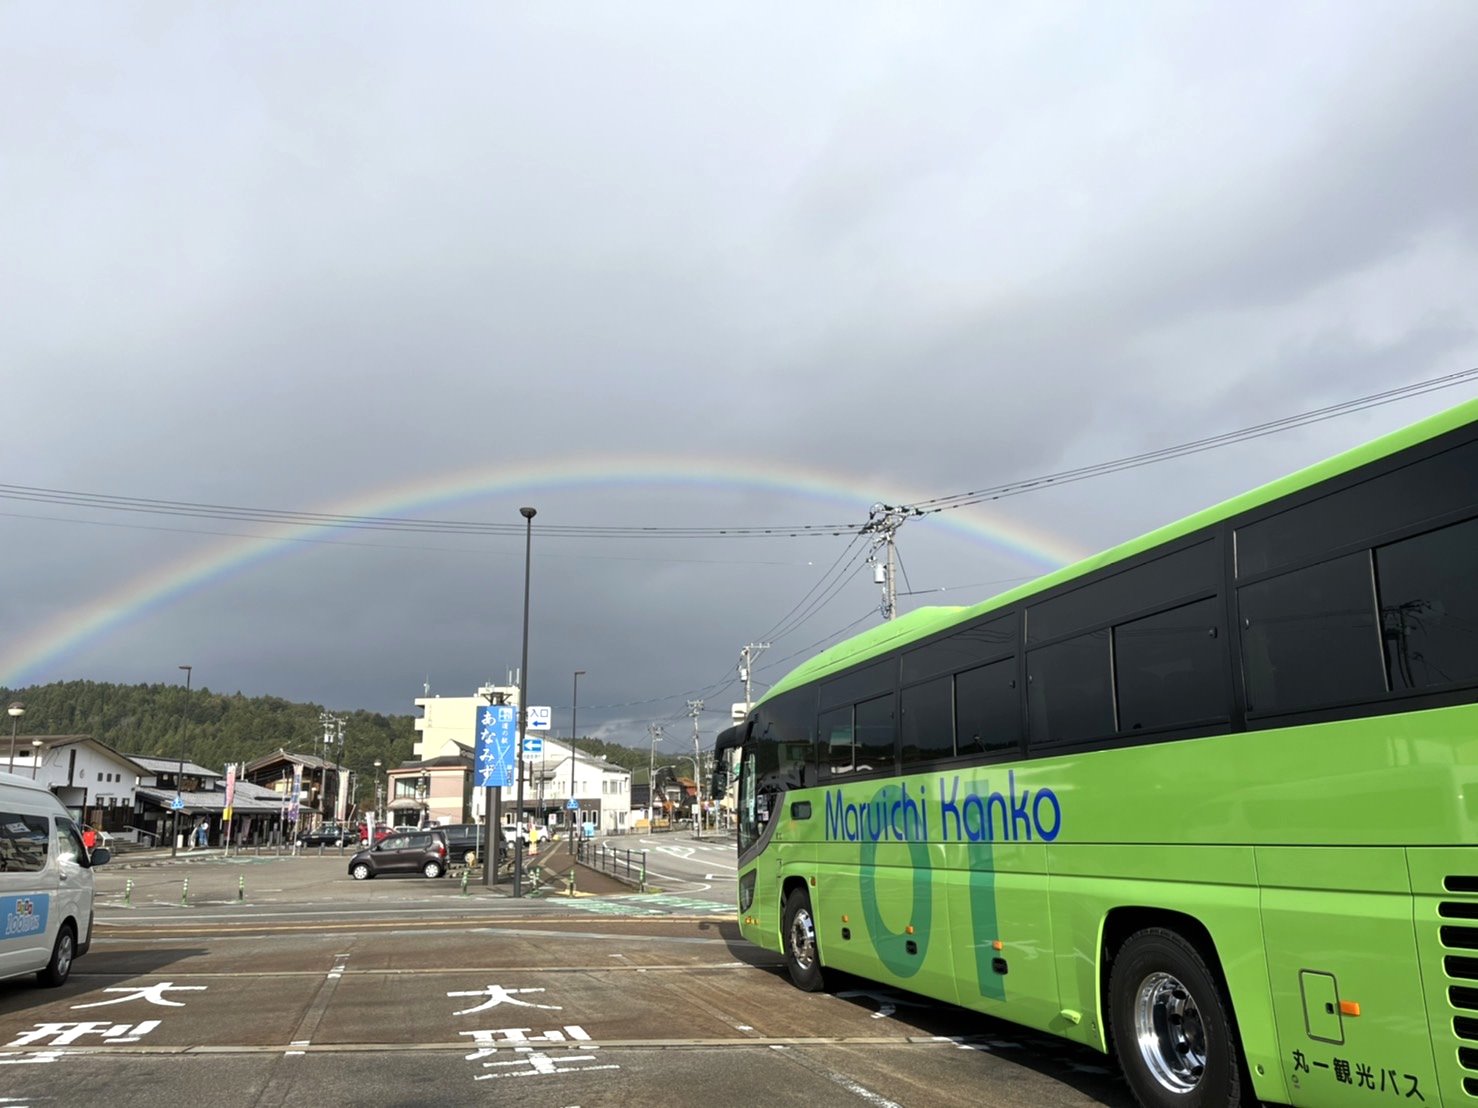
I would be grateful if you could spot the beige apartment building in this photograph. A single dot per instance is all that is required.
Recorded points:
(446, 731)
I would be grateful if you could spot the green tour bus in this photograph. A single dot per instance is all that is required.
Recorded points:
(1207, 801)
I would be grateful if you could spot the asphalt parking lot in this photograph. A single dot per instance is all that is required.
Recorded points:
(314, 987)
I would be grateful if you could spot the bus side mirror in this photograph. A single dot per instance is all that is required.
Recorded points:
(720, 782)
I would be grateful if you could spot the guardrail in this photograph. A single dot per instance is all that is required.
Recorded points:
(625, 865)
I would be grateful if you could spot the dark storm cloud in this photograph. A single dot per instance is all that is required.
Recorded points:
(285, 258)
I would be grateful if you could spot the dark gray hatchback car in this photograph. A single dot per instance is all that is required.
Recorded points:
(411, 852)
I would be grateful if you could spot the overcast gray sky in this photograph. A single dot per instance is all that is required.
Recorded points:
(676, 265)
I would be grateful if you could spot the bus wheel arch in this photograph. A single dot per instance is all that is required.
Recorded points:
(798, 937)
(1167, 1011)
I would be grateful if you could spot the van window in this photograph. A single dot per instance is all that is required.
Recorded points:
(69, 846)
(24, 841)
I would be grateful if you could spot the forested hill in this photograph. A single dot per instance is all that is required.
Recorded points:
(229, 727)
(626, 757)
(221, 727)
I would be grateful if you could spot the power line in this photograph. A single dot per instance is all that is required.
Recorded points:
(1198, 446)
(885, 519)
(292, 518)
(836, 567)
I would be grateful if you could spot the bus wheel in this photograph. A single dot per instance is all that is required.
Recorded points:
(1172, 1025)
(60, 966)
(799, 927)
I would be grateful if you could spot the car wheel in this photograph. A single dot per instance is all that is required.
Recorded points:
(361, 872)
(60, 966)
(431, 869)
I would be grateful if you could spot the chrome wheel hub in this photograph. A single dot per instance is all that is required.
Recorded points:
(1168, 1030)
(803, 939)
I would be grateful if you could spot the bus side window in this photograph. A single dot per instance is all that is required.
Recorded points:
(836, 740)
(1429, 605)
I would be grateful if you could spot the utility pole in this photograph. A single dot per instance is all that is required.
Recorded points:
(656, 730)
(695, 707)
(883, 523)
(320, 751)
(746, 669)
(340, 809)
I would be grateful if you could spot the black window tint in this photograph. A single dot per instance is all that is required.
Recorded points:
(1182, 574)
(987, 709)
(836, 740)
(876, 735)
(1169, 668)
(963, 650)
(24, 842)
(860, 684)
(754, 811)
(1309, 638)
(1068, 690)
(1429, 607)
(1445, 483)
(784, 733)
(928, 726)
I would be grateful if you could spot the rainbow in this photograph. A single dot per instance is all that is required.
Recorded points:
(33, 652)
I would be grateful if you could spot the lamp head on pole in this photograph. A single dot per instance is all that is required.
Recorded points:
(528, 513)
(16, 709)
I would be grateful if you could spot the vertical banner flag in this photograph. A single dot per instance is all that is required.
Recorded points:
(230, 789)
(292, 807)
(494, 747)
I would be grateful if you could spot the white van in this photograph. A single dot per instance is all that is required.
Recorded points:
(46, 883)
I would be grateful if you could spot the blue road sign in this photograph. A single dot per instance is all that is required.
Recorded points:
(533, 745)
(494, 753)
(572, 804)
(178, 804)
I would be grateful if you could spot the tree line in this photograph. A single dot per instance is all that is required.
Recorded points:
(215, 729)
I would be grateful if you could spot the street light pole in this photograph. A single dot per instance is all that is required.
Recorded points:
(574, 734)
(35, 756)
(16, 710)
(179, 780)
(523, 699)
(378, 808)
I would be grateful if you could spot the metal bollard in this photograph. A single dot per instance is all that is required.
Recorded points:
(464, 882)
(128, 893)
(185, 894)
(241, 887)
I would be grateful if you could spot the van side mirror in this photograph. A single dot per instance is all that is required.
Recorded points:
(100, 855)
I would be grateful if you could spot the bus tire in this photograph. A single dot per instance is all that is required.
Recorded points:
(1172, 1024)
(60, 967)
(802, 955)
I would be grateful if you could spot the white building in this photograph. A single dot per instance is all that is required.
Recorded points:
(97, 784)
(602, 791)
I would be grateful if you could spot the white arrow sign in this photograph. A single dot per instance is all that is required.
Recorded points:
(540, 718)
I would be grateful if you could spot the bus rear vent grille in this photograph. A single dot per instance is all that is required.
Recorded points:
(1459, 934)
